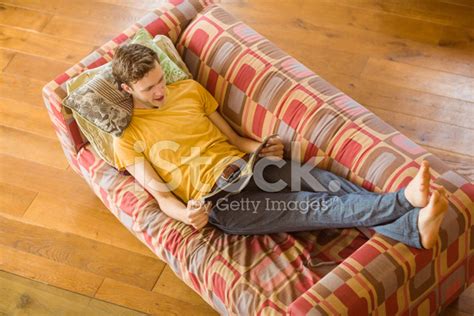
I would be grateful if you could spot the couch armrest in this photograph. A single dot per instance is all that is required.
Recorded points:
(390, 278)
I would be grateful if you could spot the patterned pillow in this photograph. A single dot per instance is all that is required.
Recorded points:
(102, 142)
(101, 102)
(172, 71)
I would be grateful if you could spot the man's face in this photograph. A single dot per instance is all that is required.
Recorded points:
(150, 90)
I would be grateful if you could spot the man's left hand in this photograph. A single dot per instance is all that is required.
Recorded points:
(274, 147)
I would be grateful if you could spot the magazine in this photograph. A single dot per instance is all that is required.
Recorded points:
(243, 176)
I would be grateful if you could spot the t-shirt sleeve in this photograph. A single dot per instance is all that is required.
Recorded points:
(125, 152)
(209, 102)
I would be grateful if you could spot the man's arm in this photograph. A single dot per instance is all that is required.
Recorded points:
(274, 146)
(196, 216)
(244, 144)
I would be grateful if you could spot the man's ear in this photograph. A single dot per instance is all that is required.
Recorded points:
(126, 88)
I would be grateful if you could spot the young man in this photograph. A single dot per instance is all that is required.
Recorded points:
(179, 147)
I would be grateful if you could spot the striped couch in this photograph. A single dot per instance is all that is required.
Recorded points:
(262, 90)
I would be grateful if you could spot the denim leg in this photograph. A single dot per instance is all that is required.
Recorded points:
(259, 212)
(288, 175)
(331, 201)
(404, 229)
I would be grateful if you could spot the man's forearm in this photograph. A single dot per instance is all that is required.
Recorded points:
(246, 145)
(147, 177)
(172, 207)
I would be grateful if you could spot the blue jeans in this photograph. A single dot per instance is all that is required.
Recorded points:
(289, 198)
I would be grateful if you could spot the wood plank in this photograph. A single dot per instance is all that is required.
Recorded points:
(465, 302)
(348, 18)
(146, 5)
(421, 79)
(22, 296)
(18, 172)
(39, 68)
(169, 284)
(453, 312)
(100, 224)
(86, 10)
(463, 165)
(81, 253)
(22, 89)
(91, 32)
(49, 271)
(377, 94)
(23, 18)
(338, 16)
(5, 57)
(26, 117)
(14, 200)
(103, 308)
(320, 59)
(422, 131)
(149, 302)
(289, 31)
(43, 45)
(466, 3)
(27, 297)
(424, 10)
(32, 147)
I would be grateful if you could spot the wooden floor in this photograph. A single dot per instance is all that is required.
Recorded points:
(410, 62)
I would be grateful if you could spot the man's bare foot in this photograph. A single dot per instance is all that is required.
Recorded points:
(418, 190)
(431, 217)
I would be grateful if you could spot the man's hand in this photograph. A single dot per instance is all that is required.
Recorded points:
(197, 214)
(274, 147)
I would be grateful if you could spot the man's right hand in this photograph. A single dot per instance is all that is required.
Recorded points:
(197, 214)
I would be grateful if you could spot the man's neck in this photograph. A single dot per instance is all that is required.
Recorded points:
(137, 104)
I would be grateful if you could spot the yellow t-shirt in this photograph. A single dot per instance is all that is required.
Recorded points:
(184, 147)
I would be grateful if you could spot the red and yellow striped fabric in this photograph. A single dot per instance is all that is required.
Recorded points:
(263, 90)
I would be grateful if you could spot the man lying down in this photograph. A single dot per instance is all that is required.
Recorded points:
(179, 148)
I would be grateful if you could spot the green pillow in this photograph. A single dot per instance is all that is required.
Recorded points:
(172, 71)
(166, 45)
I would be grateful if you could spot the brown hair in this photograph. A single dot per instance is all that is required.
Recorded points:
(132, 62)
